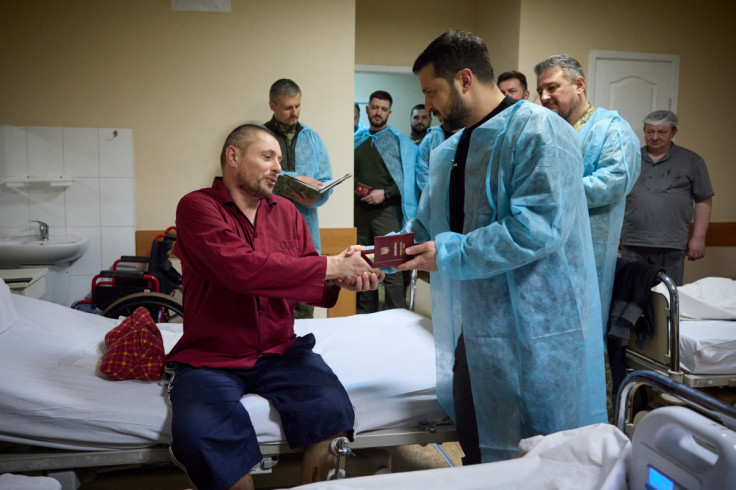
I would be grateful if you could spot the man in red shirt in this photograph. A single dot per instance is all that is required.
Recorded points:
(247, 258)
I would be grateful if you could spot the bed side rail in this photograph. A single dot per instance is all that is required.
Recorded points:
(673, 323)
(697, 400)
(658, 355)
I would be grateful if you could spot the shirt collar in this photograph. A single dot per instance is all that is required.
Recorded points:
(220, 191)
(584, 118)
(664, 158)
(374, 132)
(285, 129)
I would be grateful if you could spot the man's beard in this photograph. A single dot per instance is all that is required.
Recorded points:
(458, 113)
(419, 128)
(565, 114)
(256, 190)
(381, 123)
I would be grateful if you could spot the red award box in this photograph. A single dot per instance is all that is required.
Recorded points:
(390, 250)
(362, 190)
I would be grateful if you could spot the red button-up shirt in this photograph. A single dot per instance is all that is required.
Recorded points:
(241, 281)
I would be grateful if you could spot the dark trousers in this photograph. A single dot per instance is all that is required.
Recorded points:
(465, 419)
(213, 437)
(371, 222)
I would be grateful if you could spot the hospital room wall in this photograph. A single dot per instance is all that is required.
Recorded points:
(180, 81)
(390, 35)
(394, 33)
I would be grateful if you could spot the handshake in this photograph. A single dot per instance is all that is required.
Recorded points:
(351, 271)
(359, 270)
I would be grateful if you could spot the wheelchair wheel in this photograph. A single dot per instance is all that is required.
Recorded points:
(163, 308)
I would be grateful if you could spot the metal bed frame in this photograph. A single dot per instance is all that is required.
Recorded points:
(45, 459)
(662, 352)
(698, 401)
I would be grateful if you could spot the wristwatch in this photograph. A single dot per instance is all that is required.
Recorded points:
(386, 194)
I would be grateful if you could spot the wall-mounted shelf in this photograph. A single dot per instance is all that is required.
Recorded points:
(51, 180)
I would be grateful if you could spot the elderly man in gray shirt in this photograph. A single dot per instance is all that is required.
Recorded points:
(660, 206)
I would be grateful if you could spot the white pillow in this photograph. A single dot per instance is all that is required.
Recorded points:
(8, 315)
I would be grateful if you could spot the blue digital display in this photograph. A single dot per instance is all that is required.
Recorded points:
(657, 481)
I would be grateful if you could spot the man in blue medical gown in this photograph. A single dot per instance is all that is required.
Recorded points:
(507, 240)
(384, 160)
(435, 137)
(304, 156)
(611, 159)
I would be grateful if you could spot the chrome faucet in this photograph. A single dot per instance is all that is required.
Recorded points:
(43, 229)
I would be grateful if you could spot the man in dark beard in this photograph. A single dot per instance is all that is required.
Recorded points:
(457, 113)
(504, 231)
(385, 166)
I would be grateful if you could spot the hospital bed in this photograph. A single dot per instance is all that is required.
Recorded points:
(694, 340)
(57, 412)
(672, 448)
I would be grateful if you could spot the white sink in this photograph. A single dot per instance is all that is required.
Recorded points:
(30, 250)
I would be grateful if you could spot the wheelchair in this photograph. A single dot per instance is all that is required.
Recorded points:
(139, 281)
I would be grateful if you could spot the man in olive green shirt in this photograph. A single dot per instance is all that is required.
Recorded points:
(385, 161)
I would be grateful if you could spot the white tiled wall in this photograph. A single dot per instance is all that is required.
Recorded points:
(98, 205)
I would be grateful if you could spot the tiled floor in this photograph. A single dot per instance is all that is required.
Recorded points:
(417, 457)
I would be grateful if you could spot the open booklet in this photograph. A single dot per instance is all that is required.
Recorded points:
(286, 184)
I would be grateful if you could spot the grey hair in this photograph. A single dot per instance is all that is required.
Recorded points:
(569, 66)
(666, 118)
(283, 86)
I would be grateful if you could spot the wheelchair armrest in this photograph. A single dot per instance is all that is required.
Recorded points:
(125, 274)
(135, 258)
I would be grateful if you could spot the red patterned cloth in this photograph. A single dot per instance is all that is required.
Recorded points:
(135, 349)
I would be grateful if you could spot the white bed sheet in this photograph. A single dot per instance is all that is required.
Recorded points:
(707, 327)
(710, 298)
(708, 347)
(591, 457)
(53, 396)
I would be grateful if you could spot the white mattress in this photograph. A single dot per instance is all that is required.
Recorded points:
(707, 327)
(52, 394)
(708, 347)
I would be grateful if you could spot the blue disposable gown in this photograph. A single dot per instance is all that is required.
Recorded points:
(399, 153)
(434, 138)
(520, 280)
(611, 165)
(313, 161)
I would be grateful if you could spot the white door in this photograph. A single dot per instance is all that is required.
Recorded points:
(634, 84)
